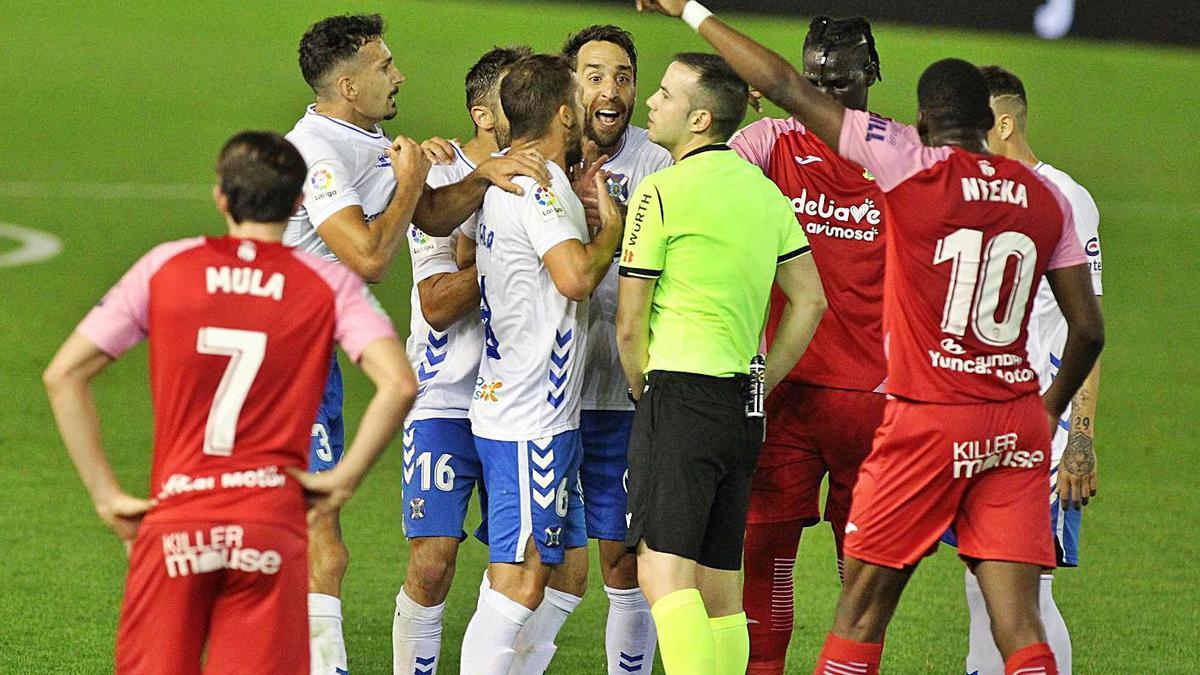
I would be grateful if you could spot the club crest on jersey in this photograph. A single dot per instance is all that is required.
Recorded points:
(416, 508)
(383, 161)
(986, 168)
(618, 188)
(547, 203)
(247, 251)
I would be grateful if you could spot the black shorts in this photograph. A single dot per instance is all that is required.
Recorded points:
(691, 459)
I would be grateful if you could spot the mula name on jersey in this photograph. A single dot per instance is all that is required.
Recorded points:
(996, 190)
(243, 281)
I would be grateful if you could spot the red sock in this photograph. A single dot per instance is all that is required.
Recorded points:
(770, 559)
(840, 656)
(1036, 659)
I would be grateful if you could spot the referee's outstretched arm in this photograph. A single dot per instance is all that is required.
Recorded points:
(799, 281)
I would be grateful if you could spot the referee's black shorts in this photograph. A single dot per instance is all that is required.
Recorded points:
(691, 458)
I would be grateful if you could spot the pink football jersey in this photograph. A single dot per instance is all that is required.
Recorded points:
(841, 210)
(970, 237)
(240, 336)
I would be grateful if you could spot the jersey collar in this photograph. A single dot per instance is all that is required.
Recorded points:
(707, 148)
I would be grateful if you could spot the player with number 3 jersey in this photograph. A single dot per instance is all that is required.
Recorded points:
(240, 329)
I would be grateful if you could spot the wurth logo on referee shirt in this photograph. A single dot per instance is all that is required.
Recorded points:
(973, 457)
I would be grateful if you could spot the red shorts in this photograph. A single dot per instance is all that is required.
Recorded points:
(238, 590)
(812, 431)
(980, 468)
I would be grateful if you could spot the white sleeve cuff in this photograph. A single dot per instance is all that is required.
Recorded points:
(694, 14)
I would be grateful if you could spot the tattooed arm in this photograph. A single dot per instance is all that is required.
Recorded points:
(1077, 469)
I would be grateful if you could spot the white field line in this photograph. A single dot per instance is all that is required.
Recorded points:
(36, 245)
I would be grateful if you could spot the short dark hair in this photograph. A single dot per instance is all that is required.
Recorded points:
(608, 33)
(719, 90)
(488, 70)
(1001, 82)
(533, 90)
(838, 34)
(954, 95)
(331, 41)
(261, 174)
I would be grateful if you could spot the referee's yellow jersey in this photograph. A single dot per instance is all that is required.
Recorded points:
(711, 230)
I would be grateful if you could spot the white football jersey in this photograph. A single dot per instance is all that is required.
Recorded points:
(446, 363)
(1047, 326)
(347, 166)
(604, 386)
(534, 337)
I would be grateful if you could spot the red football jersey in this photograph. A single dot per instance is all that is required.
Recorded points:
(841, 209)
(970, 237)
(240, 338)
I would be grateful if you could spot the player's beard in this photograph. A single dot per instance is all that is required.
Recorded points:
(608, 136)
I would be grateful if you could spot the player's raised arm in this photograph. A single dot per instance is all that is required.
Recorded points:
(761, 68)
(68, 384)
(368, 248)
(441, 210)
(577, 268)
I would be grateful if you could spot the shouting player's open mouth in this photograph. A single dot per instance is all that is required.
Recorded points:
(610, 118)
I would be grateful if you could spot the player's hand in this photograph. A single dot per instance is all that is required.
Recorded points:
(326, 491)
(756, 98)
(583, 182)
(500, 171)
(1077, 472)
(123, 515)
(438, 150)
(410, 166)
(609, 212)
(668, 7)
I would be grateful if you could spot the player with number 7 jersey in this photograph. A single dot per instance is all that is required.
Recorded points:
(241, 330)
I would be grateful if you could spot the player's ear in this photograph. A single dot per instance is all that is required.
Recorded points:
(482, 117)
(1005, 126)
(222, 201)
(566, 115)
(345, 87)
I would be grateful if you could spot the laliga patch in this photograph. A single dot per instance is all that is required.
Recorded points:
(321, 184)
(548, 204)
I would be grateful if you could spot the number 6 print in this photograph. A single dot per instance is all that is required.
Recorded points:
(974, 293)
(245, 349)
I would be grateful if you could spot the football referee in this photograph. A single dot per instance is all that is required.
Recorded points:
(704, 239)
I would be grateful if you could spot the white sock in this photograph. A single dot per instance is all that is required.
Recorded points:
(983, 657)
(326, 647)
(487, 647)
(629, 637)
(1057, 635)
(535, 645)
(416, 637)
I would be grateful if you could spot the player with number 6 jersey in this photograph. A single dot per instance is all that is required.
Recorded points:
(240, 332)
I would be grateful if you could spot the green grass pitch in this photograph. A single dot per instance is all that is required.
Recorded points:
(112, 116)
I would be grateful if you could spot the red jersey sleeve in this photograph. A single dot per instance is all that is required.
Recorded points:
(122, 317)
(892, 151)
(360, 320)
